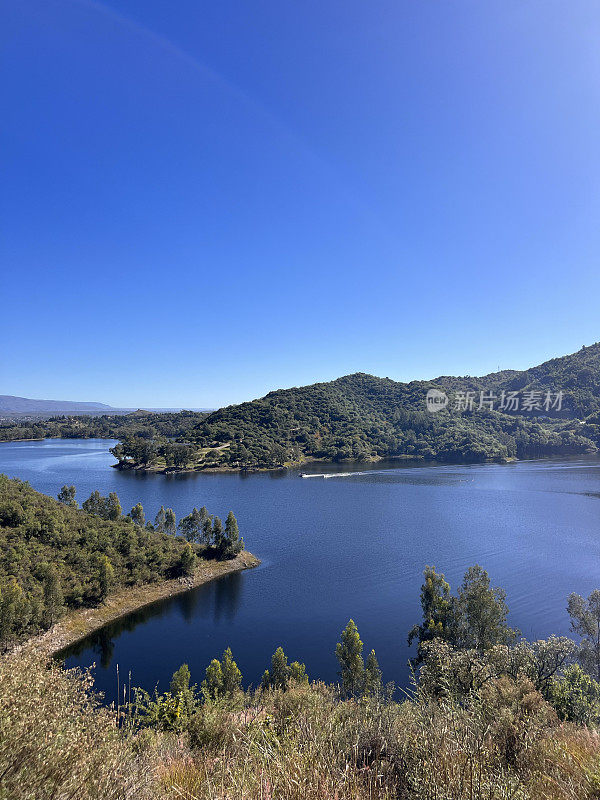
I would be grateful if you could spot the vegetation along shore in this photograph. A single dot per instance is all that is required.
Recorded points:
(489, 715)
(65, 570)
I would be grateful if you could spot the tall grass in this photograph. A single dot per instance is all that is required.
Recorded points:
(56, 743)
(306, 743)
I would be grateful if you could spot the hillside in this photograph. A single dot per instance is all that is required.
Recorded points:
(150, 425)
(577, 375)
(55, 557)
(363, 417)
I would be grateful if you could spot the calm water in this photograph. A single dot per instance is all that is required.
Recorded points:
(350, 545)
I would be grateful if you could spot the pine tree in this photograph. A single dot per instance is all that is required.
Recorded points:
(160, 520)
(207, 530)
(106, 577)
(113, 508)
(94, 504)
(138, 516)
(187, 560)
(279, 674)
(218, 536)
(180, 682)
(298, 672)
(233, 543)
(349, 656)
(170, 522)
(438, 610)
(232, 677)
(66, 496)
(212, 685)
(191, 526)
(481, 613)
(372, 683)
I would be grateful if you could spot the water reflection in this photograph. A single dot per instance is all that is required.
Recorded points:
(218, 600)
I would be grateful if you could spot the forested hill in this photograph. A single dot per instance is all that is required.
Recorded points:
(577, 375)
(55, 556)
(363, 417)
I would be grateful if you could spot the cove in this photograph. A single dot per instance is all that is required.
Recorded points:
(353, 544)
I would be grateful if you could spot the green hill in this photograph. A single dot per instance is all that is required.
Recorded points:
(362, 417)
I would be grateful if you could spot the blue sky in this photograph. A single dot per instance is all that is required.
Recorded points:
(205, 201)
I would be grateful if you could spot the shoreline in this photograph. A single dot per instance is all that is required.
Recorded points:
(78, 624)
(225, 470)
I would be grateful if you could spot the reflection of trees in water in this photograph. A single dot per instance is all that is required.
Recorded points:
(105, 647)
(189, 603)
(220, 598)
(228, 592)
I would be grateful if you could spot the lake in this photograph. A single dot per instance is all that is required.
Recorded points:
(352, 544)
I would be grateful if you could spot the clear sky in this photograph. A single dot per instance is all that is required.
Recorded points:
(203, 201)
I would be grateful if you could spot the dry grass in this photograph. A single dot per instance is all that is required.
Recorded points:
(307, 745)
(302, 744)
(56, 744)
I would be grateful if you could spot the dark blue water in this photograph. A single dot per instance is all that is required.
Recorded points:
(350, 545)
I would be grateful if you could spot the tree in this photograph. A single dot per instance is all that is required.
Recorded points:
(94, 504)
(113, 508)
(539, 661)
(349, 656)
(212, 685)
(191, 526)
(14, 609)
(106, 576)
(437, 605)
(138, 516)
(298, 672)
(232, 677)
(180, 682)
(585, 621)
(217, 535)
(576, 697)
(66, 496)
(170, 522)
(53, 596)
(207, 523)
(372, 680)
(481, 613)
(233, 544)
(187, 560)
(160, 520)
(279, 673)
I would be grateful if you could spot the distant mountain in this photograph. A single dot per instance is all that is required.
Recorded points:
(14, 407)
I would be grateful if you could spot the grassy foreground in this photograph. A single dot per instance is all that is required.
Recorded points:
(305, 743)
